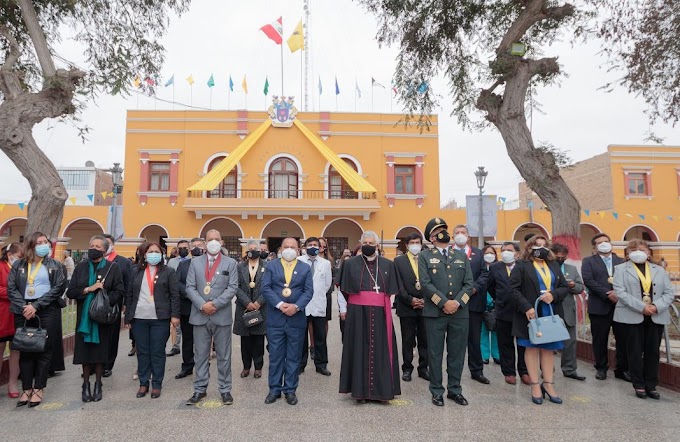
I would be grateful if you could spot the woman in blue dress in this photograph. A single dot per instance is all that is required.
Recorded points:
(537, 276)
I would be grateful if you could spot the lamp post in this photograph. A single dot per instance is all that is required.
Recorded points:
(481, 175)
(116, 173)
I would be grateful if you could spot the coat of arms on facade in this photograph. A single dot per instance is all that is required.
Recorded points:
(282, 111)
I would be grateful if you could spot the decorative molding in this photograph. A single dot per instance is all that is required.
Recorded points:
(401, 196)
(405, 154)
(151, 151)
(380, 134)
(181, 131)
(158, 194)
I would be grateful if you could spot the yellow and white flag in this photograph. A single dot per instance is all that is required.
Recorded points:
(296, 41)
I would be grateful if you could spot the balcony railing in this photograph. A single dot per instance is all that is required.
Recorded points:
(285, 194)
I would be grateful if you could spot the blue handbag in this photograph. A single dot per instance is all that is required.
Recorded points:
(547, 329)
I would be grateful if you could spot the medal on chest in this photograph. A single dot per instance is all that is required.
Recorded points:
(418, 286)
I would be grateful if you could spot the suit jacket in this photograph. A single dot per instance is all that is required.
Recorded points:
(322, 279)
(407, 291)
(479, 275)
(498, 286)
(245, 295)
(627, 286)
(443, 280)
(595, 278)
(18, 278)
(181, 274)
(165, 294)
(569, 304)
(223, 290)
(525, 291)
(302, 288)
(126, 273)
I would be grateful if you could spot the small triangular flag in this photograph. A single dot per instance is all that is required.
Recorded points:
(601, 214)
(91, 197)
(642, 217)
(587, 212)
(2, 207)
(73, 200)
(21, 205)
(104, 195)
(615, 215)
(629, 215)
(110, 194)
(670, 218)
(656, 218)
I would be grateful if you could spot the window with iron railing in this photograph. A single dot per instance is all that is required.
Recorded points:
(337, 186)
(75, 179)
(228, 186)
(283, 179)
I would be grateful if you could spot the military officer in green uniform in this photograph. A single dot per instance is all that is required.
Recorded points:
(446, 279)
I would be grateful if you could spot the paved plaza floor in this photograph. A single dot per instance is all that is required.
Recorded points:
(593, 410)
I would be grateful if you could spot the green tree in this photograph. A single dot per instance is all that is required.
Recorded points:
(121, 41)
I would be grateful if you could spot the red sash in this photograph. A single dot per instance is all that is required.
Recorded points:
(150, 279)
(111, 256)
(210, 272)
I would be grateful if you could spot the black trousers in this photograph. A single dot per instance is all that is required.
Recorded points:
(412, 330)
(599, 328)
(252, 351)
(642, 348)
(475, 363)
(151, 336)
(320, 347)
(113, 346)
(187, 343)
(35, 367)
(342, 330)
(507, 347)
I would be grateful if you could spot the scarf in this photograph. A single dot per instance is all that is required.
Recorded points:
(88, 327)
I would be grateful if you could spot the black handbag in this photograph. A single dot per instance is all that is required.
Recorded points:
(101, 310)
(252, 318)
(490, 319)
(30, 339)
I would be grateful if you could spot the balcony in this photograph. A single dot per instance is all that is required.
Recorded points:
(305, 203)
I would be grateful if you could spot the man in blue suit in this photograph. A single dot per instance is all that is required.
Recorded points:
(287, 287)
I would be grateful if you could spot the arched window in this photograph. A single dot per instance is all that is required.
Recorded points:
(337, 186)
(228, 186)
(283, 179)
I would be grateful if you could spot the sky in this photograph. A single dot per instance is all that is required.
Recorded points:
(223, 38)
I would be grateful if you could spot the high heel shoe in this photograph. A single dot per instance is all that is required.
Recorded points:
(97, 394)
(536, 400)
(32, 404)
(11, 395)
(28, 394)
(553, 399)
(87, 392)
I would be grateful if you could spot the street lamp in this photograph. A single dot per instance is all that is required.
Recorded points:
(481, 175)
(116, 174)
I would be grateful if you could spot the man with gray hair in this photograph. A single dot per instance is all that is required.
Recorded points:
(370, 363)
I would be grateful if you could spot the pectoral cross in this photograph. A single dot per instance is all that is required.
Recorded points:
(376, 287)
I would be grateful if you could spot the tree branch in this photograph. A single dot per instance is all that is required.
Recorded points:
(14, 49)
(40, 45)
(10, 85)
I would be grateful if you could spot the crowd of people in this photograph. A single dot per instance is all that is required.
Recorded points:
(449, 297)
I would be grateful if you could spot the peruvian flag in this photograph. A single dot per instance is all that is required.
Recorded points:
(274, 31)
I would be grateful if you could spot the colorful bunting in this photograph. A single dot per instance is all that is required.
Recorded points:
(642, 217)
(656, 218)
(171, 81)
(601, 214)
(615, 215)
(629, 215)
(423, 87)
(104, 195)
(21, 205)
(670, 218)
(91, 197)
(2, 207)
(150, 81)
(587, 212)
(137, 82)
(73, 200)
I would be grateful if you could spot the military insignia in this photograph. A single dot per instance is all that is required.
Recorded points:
(436, 299)
(437, 220)
(465, 298)
(435, 251)
(434, 261)
(458, 261)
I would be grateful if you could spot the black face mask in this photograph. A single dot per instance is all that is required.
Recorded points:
(541, 253)
(312, 251)
(443, 237)
(94, 254)
(368, 250)
(560, 261)
(183, 252)
(196, 251)
(264, 254)
(253, 254)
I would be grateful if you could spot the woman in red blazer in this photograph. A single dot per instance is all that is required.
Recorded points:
(10, 254)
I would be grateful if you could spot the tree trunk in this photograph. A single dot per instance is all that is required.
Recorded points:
(537, 167)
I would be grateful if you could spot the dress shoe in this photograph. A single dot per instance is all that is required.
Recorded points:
(575, 376)
(227, 399)
(486, 361)
(183, 374)
(601, 375)
(38, 394)
(526, 380)
(291, 399)
(512, 380)
(155, 393)
(142, 391)
(257, 374)
(107, 373)
(537, 400)
(132, 351)
(311, 353)
(496, 361)
(437, 400)
(97, 393)
(480, 378)
(323, 370)
(173, 351)
(553, 399)
(245, 373)
(423, 375)
(624, 376)
(196, 398)
(271, 398)
(653, 394)
(639, 392)
(12, 395)
(51, 374)
(87, 392)
(406, 376)
(302, 370)
(28, 394)
(457, 398)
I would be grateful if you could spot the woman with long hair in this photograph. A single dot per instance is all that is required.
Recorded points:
(35, 286)
(537, 276)
(10, 254)
(489, 341)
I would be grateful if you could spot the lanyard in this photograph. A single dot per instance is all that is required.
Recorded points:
(253, 273)
(645, 279)
(544, 271)
(288, 270)
(414, 264)
(31, 276)
(151, 280)
(210, 270)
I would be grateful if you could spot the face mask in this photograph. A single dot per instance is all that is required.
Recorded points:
(278, 255)
(94, 254)
(214, 247)
(507, 256)
(42, 250)
(289, 254)
(560, 261)
(415, 248)
(312, 251)
(638, 256)
(183, 252)
(11, 260)
(541, 253)
(443, 237)
(196, 251)
(264, 254)
(253, 254)
(460, 239)
(489, 258)
(368, 250)
(109, 249)
(604, 247)
(153, 258)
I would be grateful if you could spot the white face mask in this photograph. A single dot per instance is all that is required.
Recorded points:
(414, 248)
(214, 247)
(638, 256)
(489, 258)
(604, 247)
(460, 239)
(507, 256)
(289, 254)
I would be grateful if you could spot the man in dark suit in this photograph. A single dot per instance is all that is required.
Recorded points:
(410, 308)
(477, 304)
(498, 285)
(598, 277)
(287, 287)
(197, 249)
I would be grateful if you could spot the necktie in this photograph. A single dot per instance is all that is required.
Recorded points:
(608, 262)
(311, 263)
(444, 253)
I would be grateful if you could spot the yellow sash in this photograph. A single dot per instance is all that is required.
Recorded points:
(544, 271)
(413, 259)
(288, 270)
(508, 269)
(645, 279)
(31, 276)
